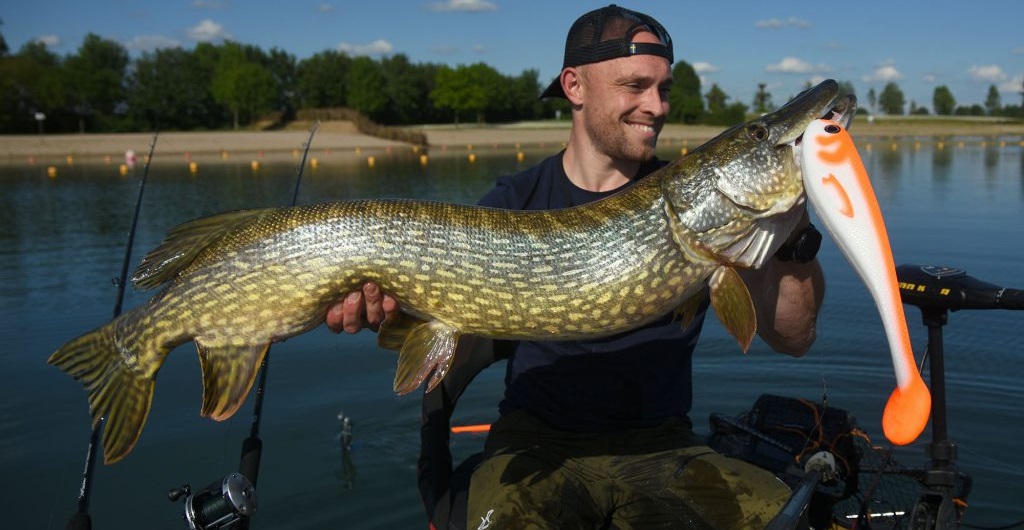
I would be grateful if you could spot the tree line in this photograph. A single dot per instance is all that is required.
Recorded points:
(100, 88)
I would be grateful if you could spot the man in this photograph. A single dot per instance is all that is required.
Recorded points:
(595, 434)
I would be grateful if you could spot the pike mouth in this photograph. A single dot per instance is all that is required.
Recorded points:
(842, 112)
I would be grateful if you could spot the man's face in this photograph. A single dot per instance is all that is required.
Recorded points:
(625, 103)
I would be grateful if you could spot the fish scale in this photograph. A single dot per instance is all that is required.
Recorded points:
(236, 282)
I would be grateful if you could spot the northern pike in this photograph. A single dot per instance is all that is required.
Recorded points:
(239, 281)
(840, 192)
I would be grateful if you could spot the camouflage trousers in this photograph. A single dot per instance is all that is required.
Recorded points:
(536, 477)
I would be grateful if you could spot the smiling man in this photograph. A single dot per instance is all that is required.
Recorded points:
(595, 434)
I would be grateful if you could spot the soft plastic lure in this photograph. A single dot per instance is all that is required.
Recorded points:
(838, 188)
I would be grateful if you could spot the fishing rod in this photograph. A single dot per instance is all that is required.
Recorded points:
(81, 519)
(252, 447)
(231, 501)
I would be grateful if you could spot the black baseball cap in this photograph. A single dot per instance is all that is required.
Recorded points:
(607, 33)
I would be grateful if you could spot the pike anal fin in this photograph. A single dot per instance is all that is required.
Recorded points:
(429, 347)
(228, 374)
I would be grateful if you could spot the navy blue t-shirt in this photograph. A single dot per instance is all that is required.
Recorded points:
(634, 379)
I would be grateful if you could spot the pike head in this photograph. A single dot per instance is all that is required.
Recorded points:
(734, 199)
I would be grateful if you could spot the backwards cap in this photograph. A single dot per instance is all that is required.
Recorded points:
(607, 33)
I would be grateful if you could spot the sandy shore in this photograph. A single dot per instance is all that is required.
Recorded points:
(339, 138)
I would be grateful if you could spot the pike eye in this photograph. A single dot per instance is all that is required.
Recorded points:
(757, 132)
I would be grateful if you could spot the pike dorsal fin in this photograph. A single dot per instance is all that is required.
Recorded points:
(732, 303)
(183, 243)
(228, 374)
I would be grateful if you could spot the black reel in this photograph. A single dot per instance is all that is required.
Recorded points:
(222, 504)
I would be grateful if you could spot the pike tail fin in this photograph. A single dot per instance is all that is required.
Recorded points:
(117, 391)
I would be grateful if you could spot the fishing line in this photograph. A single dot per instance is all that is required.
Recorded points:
(81, 518)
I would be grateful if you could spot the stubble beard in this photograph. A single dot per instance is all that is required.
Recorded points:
(611, 137)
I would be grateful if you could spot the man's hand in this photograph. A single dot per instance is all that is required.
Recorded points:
(358, 309)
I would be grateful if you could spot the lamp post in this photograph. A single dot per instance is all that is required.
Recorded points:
(40, 117)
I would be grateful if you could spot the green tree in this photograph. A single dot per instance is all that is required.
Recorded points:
(685, 102)
(322, 80)
(762, 99)
(283, 69)
(31, 81)
(241, 82)
(721, 113)
(96, 79)
(169, 89)
(716, 98)
(365, 84)
(406, 90)
(993, 103)
(466, 89)
(891, 99)
(943, 101)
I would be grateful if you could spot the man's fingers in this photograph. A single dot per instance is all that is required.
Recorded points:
(352, 312)
(374, 305)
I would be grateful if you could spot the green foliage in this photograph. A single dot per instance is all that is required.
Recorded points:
(241, 83)
(95, 79)
(100, 88)
(993, 103)
(466, 89)
(762, 99)
(943, 101)
(891, 99)
(169, 89)
(322, 80)
(364, 87)
(685, 102)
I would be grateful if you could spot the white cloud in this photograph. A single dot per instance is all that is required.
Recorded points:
(146, 43)
(325, 8)
(704, 68)
(1012, 86)
(987, 73)
(885, 73)
(929, 78)
(1018, 51)
(775, 23)
(50, 41)
(208, 4)
(795, 65)
(463, 5)
(206, 31)
(377, 47)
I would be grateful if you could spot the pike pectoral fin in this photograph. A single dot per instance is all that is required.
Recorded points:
(394, 331)
(429, 347)
(228, 373)
(732, 303)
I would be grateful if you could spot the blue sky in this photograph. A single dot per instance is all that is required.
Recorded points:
(966, 45)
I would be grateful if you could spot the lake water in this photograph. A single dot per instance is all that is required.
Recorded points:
(959, 203)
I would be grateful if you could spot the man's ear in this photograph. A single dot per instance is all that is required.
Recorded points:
(572, 85)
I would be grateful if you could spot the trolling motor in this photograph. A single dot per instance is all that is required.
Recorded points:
(937, 291)
(227, 503)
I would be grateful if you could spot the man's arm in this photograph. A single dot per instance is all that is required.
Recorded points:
(787, 296)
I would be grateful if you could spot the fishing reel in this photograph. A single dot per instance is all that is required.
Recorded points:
(222, 504)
